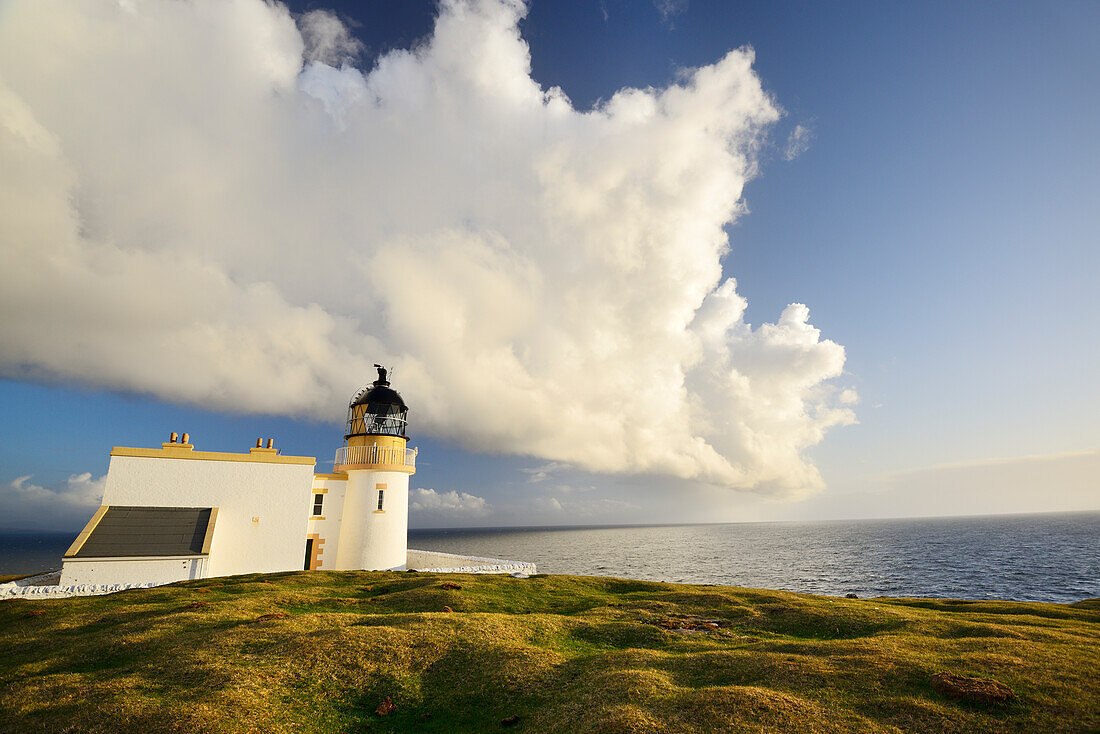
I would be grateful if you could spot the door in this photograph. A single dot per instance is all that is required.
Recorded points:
(309, 552)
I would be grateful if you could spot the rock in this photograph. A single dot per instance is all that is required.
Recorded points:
(386, 707)
(850, 595)
(447, 609)
(510, 720)
(975, 690)
(451, 585)
(410, 570)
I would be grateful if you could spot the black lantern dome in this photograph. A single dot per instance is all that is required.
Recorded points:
(377, 410)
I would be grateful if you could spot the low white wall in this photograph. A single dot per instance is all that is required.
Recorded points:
(111, 571)
(428, 561)
(13, 591)
(436, 562)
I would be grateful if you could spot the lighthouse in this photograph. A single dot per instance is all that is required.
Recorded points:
(175, 513)
(378, 464)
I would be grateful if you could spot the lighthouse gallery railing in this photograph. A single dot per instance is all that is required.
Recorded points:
(393, 455)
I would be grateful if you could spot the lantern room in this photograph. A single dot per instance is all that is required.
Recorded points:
(377, 410)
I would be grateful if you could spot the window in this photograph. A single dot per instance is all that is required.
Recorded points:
(380, 493)
(318, 501)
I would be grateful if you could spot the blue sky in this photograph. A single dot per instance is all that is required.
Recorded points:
(941, 225)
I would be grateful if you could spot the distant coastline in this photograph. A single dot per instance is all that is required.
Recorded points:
(603, 526)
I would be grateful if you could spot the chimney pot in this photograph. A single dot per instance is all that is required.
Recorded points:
(259, 443)
(172, 437)
(186, 438)
(271, 443)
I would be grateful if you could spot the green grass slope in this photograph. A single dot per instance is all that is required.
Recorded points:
(561, 653)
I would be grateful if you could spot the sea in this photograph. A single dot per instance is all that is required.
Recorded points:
(1048, 557)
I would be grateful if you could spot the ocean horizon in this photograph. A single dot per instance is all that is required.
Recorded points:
(1051, 557)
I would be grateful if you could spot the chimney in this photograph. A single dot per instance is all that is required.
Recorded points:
(186, 438)
(172, 437)
(259, 443)
(270, 443)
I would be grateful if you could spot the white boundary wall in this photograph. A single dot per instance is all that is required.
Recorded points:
(435, 562)
(11, 591)
(426, 561)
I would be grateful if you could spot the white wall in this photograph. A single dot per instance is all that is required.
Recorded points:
(371, 540)
(329, 528)
(276, 493)
(158, 570)
(451, 563)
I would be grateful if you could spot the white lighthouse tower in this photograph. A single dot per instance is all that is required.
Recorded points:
(374, 528)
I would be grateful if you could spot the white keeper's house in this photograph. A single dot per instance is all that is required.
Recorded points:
(173, 513)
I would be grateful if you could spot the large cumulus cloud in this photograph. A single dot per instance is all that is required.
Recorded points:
(198, 204)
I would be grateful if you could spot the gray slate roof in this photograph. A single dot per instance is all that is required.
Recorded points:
(148, 531)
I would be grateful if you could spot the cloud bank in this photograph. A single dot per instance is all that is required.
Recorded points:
(1063, 482)
(24, 504)
(448, 506)
(206, 202)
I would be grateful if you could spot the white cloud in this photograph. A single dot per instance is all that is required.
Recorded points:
(670, 8)
(29, 505)
(798, 142)
(327, 40)
(543, 505)
(569, 488)
(572, 512)
(195, 204)
(80, 490)
(542, 472)
(446, 505)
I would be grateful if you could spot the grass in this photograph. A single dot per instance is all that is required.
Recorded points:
(563, 653)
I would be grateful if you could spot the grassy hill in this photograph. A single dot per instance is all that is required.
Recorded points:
(351, 651)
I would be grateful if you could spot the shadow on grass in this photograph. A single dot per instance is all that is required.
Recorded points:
(1079, 611)
(833, 624)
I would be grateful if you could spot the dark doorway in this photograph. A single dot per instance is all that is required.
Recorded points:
(309, 552)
